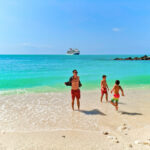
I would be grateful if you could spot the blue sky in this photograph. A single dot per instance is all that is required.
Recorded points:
(92, 26)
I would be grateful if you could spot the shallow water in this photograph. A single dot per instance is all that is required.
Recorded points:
(44, 73)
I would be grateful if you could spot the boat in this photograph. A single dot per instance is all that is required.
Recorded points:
(73, 52)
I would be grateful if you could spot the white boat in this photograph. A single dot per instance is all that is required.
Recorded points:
(73, 52)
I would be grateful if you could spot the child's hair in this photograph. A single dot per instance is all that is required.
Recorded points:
(117, 82)
(104, 76)
(74, 70)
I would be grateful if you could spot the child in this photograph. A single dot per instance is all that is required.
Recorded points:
(104, 88)
(116, 89)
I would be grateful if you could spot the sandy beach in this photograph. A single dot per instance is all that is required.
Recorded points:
(45, 121)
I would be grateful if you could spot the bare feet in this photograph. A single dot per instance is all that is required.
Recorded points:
(115, 105)
(116, 108)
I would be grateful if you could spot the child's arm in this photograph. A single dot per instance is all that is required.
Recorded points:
(107, 87)
(122, 91)
(101, 84)
(113, 89)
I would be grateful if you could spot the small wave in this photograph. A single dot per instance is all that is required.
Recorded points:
(42, 89)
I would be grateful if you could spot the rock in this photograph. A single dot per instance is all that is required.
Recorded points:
(117, 141)
(63, 136)
(118, 59)
(145, 57)
(142, 142)
(129, 58)
(146, 142)
(136, 58)
(124, 124)
(130, 145)
(122, 128)
(105, 133)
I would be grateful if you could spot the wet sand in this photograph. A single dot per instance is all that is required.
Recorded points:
(45, 121)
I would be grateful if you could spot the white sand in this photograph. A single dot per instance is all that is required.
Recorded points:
(46, 122)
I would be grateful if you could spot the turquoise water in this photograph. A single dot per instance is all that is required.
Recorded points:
(49, 72)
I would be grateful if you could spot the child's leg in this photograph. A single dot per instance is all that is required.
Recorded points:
(112, 103)
(102, 94)
(116, 105)
(106, 97)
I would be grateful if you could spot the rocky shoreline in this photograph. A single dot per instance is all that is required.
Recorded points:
(145, 57)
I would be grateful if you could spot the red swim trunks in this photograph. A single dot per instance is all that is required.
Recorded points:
(75, 93)
(116, 96)
(104, 91)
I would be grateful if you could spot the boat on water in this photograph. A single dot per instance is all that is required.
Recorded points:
(73, 52)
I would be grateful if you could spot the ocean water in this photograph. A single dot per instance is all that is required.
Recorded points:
(44, 73)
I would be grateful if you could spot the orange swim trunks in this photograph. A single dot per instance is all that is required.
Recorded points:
(75, 93)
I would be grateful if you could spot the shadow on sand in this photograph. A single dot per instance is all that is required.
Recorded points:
(122, 103)
(130, 113)
(93, 112)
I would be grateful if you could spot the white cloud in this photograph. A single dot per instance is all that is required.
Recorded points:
(116, 29)
(32, 45)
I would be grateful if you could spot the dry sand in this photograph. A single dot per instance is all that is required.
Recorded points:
(45, 121)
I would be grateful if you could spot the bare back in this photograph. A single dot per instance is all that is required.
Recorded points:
(116, 89)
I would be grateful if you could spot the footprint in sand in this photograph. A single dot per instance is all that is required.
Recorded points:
(113, 138)
(146, 142)
(124, 128)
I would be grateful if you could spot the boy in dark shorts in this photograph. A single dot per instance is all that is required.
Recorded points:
(115, 90)
(75, 83)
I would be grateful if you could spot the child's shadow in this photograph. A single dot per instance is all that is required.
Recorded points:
(130, 113)
(93, 112)
(122, 103)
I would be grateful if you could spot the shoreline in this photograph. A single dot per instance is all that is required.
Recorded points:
(45, 89)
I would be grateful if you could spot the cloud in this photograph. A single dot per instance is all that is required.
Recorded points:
(32, 45)
(116, 29)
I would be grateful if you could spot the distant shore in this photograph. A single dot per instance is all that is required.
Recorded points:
(145, 57)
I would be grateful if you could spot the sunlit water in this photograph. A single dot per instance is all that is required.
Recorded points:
(44, 73)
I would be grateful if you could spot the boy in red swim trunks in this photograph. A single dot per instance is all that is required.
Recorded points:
(116, 89)
(104, 88)
(75, 83)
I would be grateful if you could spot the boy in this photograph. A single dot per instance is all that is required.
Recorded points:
(75, 83)
(104, 88)
(116, 89)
